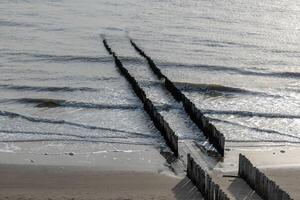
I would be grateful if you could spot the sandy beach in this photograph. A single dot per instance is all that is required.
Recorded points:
(48, 182)
(81, 118)
(279, 164)
(132, 172)
(117, 173)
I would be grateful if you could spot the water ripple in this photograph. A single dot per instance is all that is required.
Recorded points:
(46, 89)
(294, 75)
(62, 122)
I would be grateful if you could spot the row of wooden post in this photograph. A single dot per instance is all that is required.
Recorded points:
(264, 187)
(259, 182)
(215, 137)
(160, 123)
(152, 65)
(202, 180)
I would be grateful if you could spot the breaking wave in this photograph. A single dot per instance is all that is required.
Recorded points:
(46, 89)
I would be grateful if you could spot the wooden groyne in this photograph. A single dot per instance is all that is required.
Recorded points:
(158, 120)
(259, 182)
(202, 180)
(215, 137)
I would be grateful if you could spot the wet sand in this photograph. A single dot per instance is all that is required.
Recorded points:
(115, 172)
(132, 172)
(54, 182)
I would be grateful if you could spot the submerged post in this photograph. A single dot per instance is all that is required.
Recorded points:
(215, 137)
(159, 122)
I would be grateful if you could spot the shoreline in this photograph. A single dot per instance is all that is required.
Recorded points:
(130, 172)
(105, 156)
(36, 171)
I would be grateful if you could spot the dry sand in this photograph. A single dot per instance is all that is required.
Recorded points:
(280, 165)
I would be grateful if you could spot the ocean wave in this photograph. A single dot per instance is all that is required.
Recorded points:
(132, 60)
(53, 103)
(46, 89)
(63, 122)
(254, 128)
(49, 103)
(59, 78)
(72, 78)
(15, 24)
(211, 89)
(224, 43)
(130, 135)
(294, 75)
(81, 140)
(60, 58)
(250, 114)
(218, 89)
(292, 90)
(68, 58)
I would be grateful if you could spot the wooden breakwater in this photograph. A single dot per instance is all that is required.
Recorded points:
(202, 180)
(259, 182)
(169, 135)
(215, 137)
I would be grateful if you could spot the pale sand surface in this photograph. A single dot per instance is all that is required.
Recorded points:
(281, 161)
(104, 156)
(279, 157)
(235, 187)
(54, 182)
(280, 164)
(131, 172)
(287, 178)
(115, 172)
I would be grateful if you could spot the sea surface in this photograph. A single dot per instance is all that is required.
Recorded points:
(239, 62)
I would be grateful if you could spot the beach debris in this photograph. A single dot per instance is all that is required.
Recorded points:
(282, 151)
(70, 154)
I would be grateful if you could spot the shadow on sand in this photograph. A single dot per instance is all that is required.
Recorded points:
(240, 190)
(185, 190)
